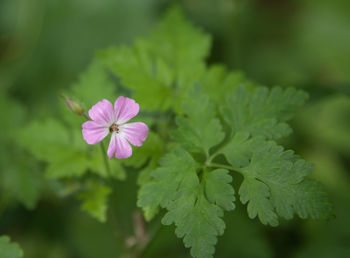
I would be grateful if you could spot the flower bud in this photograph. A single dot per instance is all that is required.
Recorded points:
(73, 105)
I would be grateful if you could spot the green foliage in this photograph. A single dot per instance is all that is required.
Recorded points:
(262, 112)
(8, 249)
(274, 184)
(193, 205)
(66, 153)
(199, 130)
(274, 179)
(217, 82)
(162, 67)
(218, 189)
(93, 85)
(167, 75)
(94, 200)
(20, 177)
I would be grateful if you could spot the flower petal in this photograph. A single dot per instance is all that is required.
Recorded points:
(136, 133)
(112, 146)
(94, 132)
(103, 113)
(125, 109)
(119, 146)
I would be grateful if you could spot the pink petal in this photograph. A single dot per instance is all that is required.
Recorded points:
(136, 133)
(119, 146)
(125, 109)
(112, 146)
(93, 132)
(102, 112)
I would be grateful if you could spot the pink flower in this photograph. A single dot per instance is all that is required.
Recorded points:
(106, 119)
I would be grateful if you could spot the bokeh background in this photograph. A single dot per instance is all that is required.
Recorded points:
(45, 44)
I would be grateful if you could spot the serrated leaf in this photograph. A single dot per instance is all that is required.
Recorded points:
(217, 81)
(166, 179)
(161, 67)
(262, 112)
(94, 200)
(198, 222)
(199, 129)
(256, 194)
(239, 149)
(274, 185)
(194, 206)
(8, 249)
(219, 190)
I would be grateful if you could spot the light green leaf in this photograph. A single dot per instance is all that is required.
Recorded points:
(262, 112)
(94, 200)
(8, 249)
(199, 129)
(93, 85)
(66, 153)
(160, 68)
(217, 82)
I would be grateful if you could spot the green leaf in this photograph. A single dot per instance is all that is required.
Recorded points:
(151, 149)
(93, 85)
(199, 129)
(195, 206)
(239, 149)
(262, 111)
(274, 185)
(160, 68)
(197, 221)
(217, 82)
(66, 153)
(219, 190)
(9, 250)
(21, 177)
(166, 179)
(94, 200)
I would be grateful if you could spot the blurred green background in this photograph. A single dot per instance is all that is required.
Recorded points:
(45, 44)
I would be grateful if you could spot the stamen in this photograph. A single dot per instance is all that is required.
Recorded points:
(114, 128)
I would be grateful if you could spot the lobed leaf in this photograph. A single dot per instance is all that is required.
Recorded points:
(275, 183)
(199, 129)
(160, 68)
(194, 206)
(262, 112)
